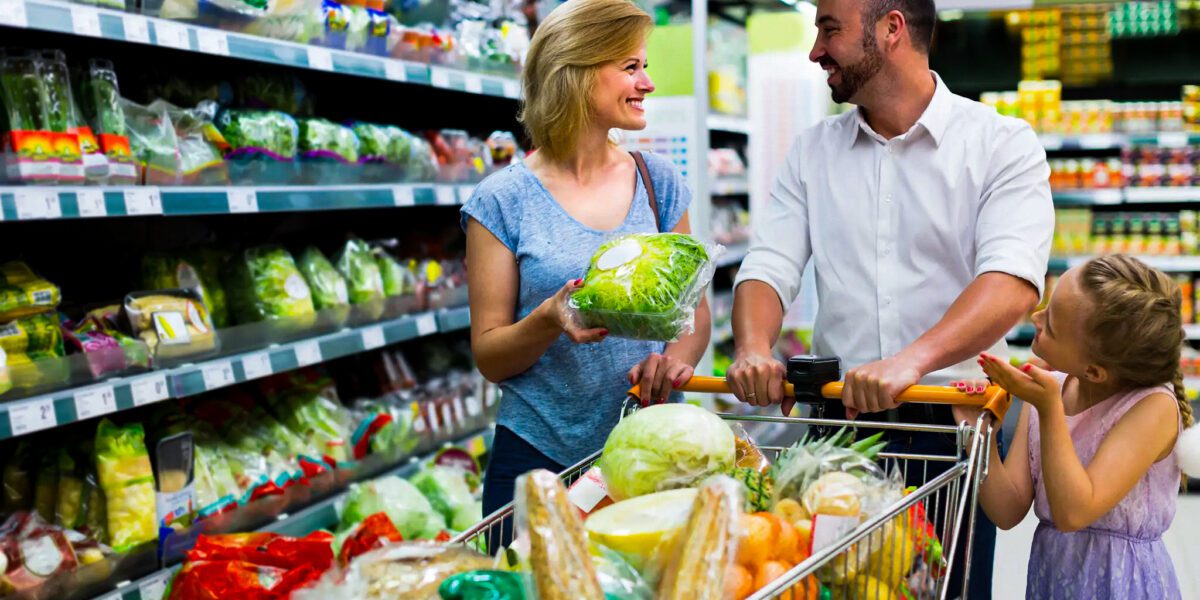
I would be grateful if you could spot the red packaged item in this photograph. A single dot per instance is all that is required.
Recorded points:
(33, 551)
(376, 531)
(219, 580)
(268, 549)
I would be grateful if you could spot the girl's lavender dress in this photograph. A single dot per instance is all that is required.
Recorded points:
(1121, 555)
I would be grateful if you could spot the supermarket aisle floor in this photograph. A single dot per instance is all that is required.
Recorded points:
(1183, 542)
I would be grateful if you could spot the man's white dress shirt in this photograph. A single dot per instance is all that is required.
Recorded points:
(898, 228)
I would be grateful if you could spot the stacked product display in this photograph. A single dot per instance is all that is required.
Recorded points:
(1040, 103)
(1083, 231)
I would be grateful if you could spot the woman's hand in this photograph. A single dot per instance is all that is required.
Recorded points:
(1030, 383)
(969, 412)
(659, 375)
(555, 311)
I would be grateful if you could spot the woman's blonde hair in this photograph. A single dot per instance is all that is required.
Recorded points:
(560, 68)
(1136, 324)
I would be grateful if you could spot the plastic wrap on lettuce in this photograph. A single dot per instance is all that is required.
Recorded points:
(409, 511)
(646, 286)
(447, 491)
(264, 283)
(328, 287)
(123, 466)
(320, 138)
(163, 271)
(397, 280)
(357, 264)
(274, 132)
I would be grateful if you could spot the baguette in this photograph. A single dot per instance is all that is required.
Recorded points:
(560, 565)
(706, 546)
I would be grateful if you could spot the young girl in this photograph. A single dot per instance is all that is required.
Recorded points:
(1095, 447)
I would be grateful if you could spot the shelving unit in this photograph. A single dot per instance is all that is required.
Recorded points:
(1132, 195)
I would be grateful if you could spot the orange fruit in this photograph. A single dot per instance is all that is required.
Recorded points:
(768, 572)
(739, 584)
(756, 540)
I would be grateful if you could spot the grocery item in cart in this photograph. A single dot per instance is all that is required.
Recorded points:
(403, 571)
(264, 283)
(328, 287)
(125, 476)
(448, 493)
(646, 286)
(404, 504)
(481, 585)
(665, 447)
(703, 550)
(560, 566)
(173, 323)
(373, 533)
(251, 565)
(638, 526)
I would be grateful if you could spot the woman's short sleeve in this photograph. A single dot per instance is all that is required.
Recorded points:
(496, 206)
(674, 195)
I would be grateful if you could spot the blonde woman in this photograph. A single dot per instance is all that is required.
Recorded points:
(532, 228)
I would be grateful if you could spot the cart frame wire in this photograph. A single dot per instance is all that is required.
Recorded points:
(953, 506)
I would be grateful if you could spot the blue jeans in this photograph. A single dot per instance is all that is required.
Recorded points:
(511, 457)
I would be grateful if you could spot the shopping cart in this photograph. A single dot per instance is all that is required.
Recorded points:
(858, 560)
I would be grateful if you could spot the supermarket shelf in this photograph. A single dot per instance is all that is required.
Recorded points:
(1132, 195)
(1088, 197)
(1192, 331)
(1164, 194)
(729, 186)
(27, 203)
(1170, 264)
(734, 255)
(1116, 141)
(322, 515)
(728, 123)
(90, 21)
(20, 417)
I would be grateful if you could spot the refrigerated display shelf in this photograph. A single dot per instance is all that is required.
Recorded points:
(322, 515)
(1116, 141)
(46, 411)
(1130, 195)
(91, 21)
(39, 203)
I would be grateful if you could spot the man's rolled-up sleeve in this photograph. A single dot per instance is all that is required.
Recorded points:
(780, 245)
(1016, 220)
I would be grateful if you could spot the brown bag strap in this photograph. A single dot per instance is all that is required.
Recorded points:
(649, 183)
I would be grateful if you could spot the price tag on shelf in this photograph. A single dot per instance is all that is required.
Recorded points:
(12, 13)
(419, 425)
(91, 203)
(474, 83)
(1097, 142)
(137, 29)
(85, 20)
(448, 416)
(1052, 142)
(1175, 139)
(172, 35)
(112, 596)
(460, 411)
(28, 417)
(217, 375)
(512, 88)
(320, 58)
(439, 78)
(212, 41)
(143, 201)
(372, 338)
(242, 200)
(37, 203)
(402, 195)
(155, 588)
(395, 70)
(308, 353)
(446, 195)
(426, 325)
(149, 389)
(95, 402)
(474, 406)
(257, 366)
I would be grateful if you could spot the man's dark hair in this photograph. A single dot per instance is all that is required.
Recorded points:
(919, 14)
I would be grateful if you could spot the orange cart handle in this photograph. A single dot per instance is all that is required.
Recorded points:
(995, 400)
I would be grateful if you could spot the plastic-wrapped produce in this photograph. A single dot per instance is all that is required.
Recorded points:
(328, 287)
(163, 271)
(268, 131)
(152, 139)
(560, 567)
(447, 491)
(24, 92)
(200, 160)
(71, 503)
(173, 323)
(264, 283)
(101, 107)
(705, 548)
(314, 414)
(45, 488)
(646, 286)
(409, 511)
(422, 163)
(23, 292)
(19, 472)
(397, 280)
(403, 571)
(357, 264)
(123, 466)
(320, 138)
(261, 566)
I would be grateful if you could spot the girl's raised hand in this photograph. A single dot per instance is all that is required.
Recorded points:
(1030, 383)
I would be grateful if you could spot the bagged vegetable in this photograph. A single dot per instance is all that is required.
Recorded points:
(216, 487)
(383, 428)
(71, 503)
(560, 567)
(34, 337)
(45, 490)
(403, 571)
(665, 447)
(23, 292)
(447, 491)
(267, 132)
(264, 283)
(397, 280)
(409, 511)
(314, 414)
(162, 271)
(328, 287)
(357, 264)
(322, 139)
(200, 160)
(483, 585)
(646, 286)
(123, 466)
(19, 473)
(173, 323)
(375, 532)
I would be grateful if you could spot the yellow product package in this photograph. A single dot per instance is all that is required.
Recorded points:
(36, 335)
(23, 292)
(172, 323)
(123, 467)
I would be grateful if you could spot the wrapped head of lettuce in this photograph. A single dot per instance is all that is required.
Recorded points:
(397, 280)
(322, 136)
(409, 511)
(645, 286)
(357, 264)
(269, 130)
(447, 491)
(328, 287)
(264, 283)
(161, 271)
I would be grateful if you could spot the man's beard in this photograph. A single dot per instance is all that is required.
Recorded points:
(855, 76)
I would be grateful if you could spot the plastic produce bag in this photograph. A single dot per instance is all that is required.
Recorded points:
(252, 566)
(216, 487)
(397, 280)
(646, 286)
(200, 160)
(320, 138)
(71, 503)
(375, 532)
(23, 292)
(153, 142)
(123, 466)
(409, 511)
(357, 264)
(403, 571)
(34, 336)
(260, 131)
(328, 287)
(447, 491)
(45, 489)
(560, 567)
(701, 553)
(317, 418)
(162, 271)
(173, 323)
(19, 474)
(264, 283)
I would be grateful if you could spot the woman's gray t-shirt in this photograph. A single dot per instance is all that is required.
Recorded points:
(566, 403)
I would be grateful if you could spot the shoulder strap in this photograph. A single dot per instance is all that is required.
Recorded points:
(649, 183)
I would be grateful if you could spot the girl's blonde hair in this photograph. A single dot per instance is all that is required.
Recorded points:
(1136, 324)
(560, 68)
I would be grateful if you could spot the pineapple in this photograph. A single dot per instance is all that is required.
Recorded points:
(758, 488)
(802, 464)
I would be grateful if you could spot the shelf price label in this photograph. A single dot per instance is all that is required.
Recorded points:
(474, 83)
(85, 20)
(242, 200)
(320, 58)
(1175, 139)
(402, 195)
(172, 35)
(37, 203)
(426, 325)
(257, 366)
(308, 353)
(12, 13)
(91, 203)
(29, 417)
(395, 70)
(95, 402)
(149, 389)
(512, 88)
(217, 375)
(446, 195)
(143, 201)
(212, 41)
(137, 29)
(372, 338)
(154, 588)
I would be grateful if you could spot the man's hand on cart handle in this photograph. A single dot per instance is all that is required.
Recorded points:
(758, 380)
(874, 387)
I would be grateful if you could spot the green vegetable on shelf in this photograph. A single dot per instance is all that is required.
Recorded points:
(264, 283)
(162, 271)
(102, 106)
(447, 491)
(58, 91)
(397, 280)
(328, 287)
(273, 131)
(357, 264)
(24, 93)
(125, 476)
(319, 137)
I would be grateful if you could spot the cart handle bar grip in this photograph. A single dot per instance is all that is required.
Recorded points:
(994, 400)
